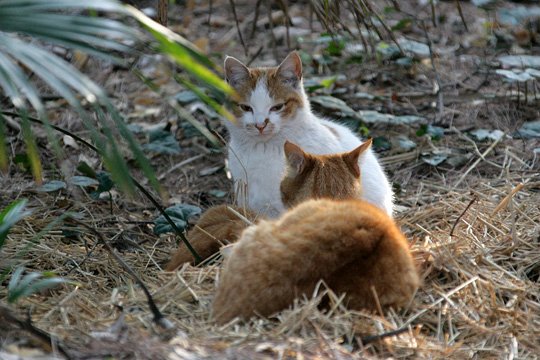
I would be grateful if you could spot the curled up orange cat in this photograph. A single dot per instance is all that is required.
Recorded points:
(328, 234)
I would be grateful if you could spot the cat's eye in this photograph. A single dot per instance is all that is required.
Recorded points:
(277, 107)
(245, 107)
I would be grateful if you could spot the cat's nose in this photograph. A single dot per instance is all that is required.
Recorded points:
(260, 126)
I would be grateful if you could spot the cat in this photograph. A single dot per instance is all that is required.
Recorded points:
(355, 247)
(219, 225)
(273, 107)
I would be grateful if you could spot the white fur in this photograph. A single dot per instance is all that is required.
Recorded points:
(258, 160)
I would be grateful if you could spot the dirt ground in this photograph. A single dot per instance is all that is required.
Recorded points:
(468, 204)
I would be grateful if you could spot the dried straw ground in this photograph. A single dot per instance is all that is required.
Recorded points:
(477, 246)
(480, 296)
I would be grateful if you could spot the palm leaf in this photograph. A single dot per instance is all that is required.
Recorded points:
(4, 162)
(10, 216)
(94, 35)
(22, 286)
(183, 53)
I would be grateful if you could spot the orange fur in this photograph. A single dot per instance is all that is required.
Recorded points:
(353, 246)
(309, 176)
(217, 226)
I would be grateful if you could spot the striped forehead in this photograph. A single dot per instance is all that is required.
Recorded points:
(260, 97)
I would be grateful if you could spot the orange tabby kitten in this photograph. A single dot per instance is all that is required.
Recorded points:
(355, 247)
(217, 226)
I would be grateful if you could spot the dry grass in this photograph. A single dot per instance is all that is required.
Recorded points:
(481, 293)
(480, 296)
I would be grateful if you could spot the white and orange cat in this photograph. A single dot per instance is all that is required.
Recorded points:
(220, 225)
(355, 247)
(273, 107)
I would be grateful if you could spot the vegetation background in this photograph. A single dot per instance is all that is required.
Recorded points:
(112, 142)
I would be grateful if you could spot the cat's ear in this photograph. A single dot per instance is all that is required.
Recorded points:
(290, 70)
(235, 72)
(351, 158)
(295, 157)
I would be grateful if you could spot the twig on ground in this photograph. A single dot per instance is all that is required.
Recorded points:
(179, 165)
(460, 11)
(386, 28)
(483, 155)
(475, 198)
(273, 36)
(285, 9)
(433, 13)
(371, 338)
(255, 19)
(27, 325)
(163, 12)
(210, 10)
(159, 318)
(504, 202)
(440, 103)
(254, 56)
(238, 27)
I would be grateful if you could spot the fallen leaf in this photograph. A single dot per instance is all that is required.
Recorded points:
(334, 104)
(83, 181)
(375, 117)
(514, 75)
(515, 16)
(51, 186)
(458, 160)
(210, 170)
(186, 97)
(434, 159)
(484, 134)
(520, 61)
(69, 141)
(529, 130)
(217, 193)
(405, 144)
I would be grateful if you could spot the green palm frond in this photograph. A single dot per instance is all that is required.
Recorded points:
(62, 22)
(77, 25)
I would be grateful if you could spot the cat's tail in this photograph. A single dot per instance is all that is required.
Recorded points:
(218, 226)
(276, 262)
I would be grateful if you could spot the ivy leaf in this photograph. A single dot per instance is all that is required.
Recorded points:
(380, 143)
(162, 142)
(179, 214)
(86, 169)
(51, 186)
(435, 132)
(105, 183)
(23, 161)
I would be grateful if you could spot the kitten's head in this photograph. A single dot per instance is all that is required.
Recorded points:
(269, 97)
(310, 176)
